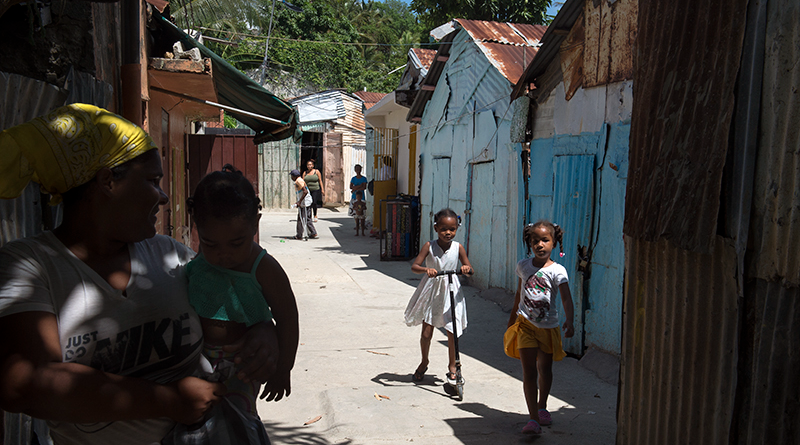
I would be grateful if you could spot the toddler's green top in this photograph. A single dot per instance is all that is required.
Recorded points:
(223, 294)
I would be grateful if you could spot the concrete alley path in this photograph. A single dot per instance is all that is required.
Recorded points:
(354, 345)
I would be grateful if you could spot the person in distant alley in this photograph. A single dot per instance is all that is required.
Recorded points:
(358, 184)
(360, 209)
(533, 335)
(305, 222)
(313, 179)
(430, 304)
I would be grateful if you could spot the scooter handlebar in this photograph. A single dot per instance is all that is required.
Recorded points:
(451, 272)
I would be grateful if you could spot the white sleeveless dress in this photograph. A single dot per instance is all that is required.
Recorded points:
(431, 301)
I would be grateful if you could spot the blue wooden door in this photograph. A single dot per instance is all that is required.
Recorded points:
(440, 190)
(573, 202)
(480, 223)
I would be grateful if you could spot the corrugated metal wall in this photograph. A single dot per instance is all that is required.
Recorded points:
(686, 51)
(680, 325)
(719, 337)
(24, 99)
(768, 393)
(275, 161)
(776, 212)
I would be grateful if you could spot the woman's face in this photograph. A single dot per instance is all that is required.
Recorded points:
(309, 166)
(138, 197)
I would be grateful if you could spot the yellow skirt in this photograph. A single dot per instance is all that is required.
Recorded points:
(524, 334)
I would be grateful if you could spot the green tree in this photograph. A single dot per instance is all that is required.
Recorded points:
(433, 13)
(331, 44)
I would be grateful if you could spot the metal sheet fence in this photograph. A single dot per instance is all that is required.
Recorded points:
(275, 161)
(679, 346)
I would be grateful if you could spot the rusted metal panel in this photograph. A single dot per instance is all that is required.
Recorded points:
(509, 60)
(425, 56)
(681, 118)
(610, 33)
(336, 191)
(774, 233)
(768, 408)
(680, 331)
(369, 98)
(500, 32)
(571, 55)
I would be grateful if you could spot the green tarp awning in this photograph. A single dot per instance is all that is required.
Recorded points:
(235, 89)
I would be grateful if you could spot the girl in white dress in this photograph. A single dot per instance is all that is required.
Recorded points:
(430, 304)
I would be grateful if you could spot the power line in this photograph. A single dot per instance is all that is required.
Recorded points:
(254, 36)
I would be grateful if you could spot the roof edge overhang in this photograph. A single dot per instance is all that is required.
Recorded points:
(434, 72)
(551, 43)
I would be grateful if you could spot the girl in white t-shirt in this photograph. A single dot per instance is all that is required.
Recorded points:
(533, 335)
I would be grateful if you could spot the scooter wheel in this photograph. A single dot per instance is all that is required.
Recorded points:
(460, 388)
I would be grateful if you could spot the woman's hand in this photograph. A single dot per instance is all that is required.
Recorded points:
(431, 272)
(193, 399)
(256, 352)
(466, 270)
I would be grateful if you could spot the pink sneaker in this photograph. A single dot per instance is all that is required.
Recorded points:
(544, 418)
(532, 427)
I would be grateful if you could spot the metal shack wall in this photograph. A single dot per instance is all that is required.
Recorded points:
(692, 342)
(354, 141)
(680, 344)
(467, 124)
(275, 161)
(768, 393)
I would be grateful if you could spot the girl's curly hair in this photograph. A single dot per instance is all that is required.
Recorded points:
(555, 230)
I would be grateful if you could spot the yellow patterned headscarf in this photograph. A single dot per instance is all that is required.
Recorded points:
(66, 148)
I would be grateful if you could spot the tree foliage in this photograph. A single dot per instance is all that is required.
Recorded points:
(331, 44)
(433, 13)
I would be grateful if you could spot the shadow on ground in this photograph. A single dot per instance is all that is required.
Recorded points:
(300, 435)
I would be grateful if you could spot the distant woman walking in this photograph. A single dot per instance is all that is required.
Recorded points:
(313, 179)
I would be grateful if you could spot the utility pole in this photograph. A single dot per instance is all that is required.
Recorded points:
(266, 50)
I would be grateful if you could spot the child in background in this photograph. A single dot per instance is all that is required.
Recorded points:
(234, 284)
(358, 184)
(533, 335)
(360, 209)
(430, 304)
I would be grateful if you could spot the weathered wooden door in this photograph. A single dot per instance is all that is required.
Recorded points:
(336, 190)
(573, 203)
(210, 152)
(479, 247)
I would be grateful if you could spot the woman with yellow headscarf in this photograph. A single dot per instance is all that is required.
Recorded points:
(66, 148)
(98, 335)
